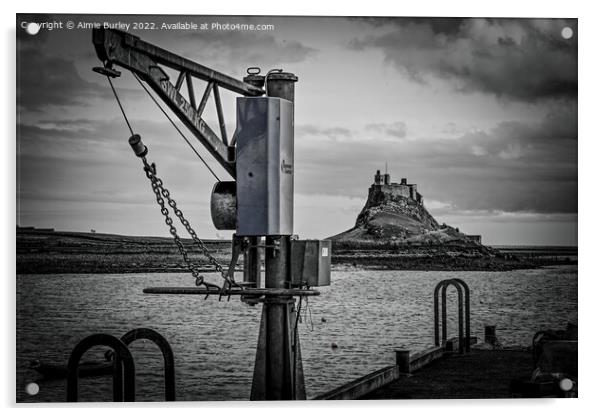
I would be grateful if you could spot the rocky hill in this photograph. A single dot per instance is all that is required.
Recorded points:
(394, 213)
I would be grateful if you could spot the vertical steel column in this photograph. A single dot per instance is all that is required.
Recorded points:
(466, 312)
(444, 313)
(280, 334)
(273, 376)
(436, 310)
(279, 383)
(252, 262)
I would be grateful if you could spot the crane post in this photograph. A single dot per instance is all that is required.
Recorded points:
(278, 373)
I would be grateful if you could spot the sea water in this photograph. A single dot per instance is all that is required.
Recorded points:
(367, 314)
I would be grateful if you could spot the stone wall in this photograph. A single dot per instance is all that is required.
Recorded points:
(394, 190)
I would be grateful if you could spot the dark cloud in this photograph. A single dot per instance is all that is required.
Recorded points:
(236, 49)
(73, 140)
(85, 160)
(513, 167)
(445, 25)
(52, 81)
(449, 26)
(86, 139)
(518, 59)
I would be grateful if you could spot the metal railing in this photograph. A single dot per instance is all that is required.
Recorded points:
(463, 313)
(168, 358)
(121, 391)
(124, 383)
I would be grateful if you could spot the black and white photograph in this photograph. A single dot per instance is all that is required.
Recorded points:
(217, 208)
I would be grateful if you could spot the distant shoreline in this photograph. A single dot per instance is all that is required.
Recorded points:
(56, 252)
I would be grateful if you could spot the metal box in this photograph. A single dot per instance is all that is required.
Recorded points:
(310, 262)
(264, 166)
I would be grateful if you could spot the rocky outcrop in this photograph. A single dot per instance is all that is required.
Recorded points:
(381, 203)
(388, 216)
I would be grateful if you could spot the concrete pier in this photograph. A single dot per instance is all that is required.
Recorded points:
(476, 375)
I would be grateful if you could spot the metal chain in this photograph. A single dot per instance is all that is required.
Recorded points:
(162, 194)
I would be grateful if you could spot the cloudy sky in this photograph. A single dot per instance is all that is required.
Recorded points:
(480, 113)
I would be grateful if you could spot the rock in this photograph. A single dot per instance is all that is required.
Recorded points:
(395, 217)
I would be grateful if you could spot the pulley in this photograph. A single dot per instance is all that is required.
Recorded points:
(223, 205)
(138, 147)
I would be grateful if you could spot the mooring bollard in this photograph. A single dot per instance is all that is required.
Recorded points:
(490, 337)
(402, 359)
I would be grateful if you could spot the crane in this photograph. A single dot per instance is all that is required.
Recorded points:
(257, 202)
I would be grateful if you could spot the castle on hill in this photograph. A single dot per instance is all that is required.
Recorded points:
(383, 183)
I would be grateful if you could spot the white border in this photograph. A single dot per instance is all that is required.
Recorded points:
(589, 207)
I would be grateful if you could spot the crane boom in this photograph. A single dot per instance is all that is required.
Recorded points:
(145, 59)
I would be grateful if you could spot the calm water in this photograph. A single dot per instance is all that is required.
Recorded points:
(367, 314)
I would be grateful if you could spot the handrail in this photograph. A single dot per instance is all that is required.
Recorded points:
(463, 312)
(466, 312)
(168, 357)
(122, 356)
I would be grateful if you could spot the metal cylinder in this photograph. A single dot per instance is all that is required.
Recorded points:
(490, 336)
(402, 359)
(255, 79)
(282, 85)
(138, 147)
(223, 205)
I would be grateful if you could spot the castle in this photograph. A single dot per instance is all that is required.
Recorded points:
(383, 183)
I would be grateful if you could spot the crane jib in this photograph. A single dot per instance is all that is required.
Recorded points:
(193, 116)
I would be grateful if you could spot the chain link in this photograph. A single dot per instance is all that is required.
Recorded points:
(162, 195)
